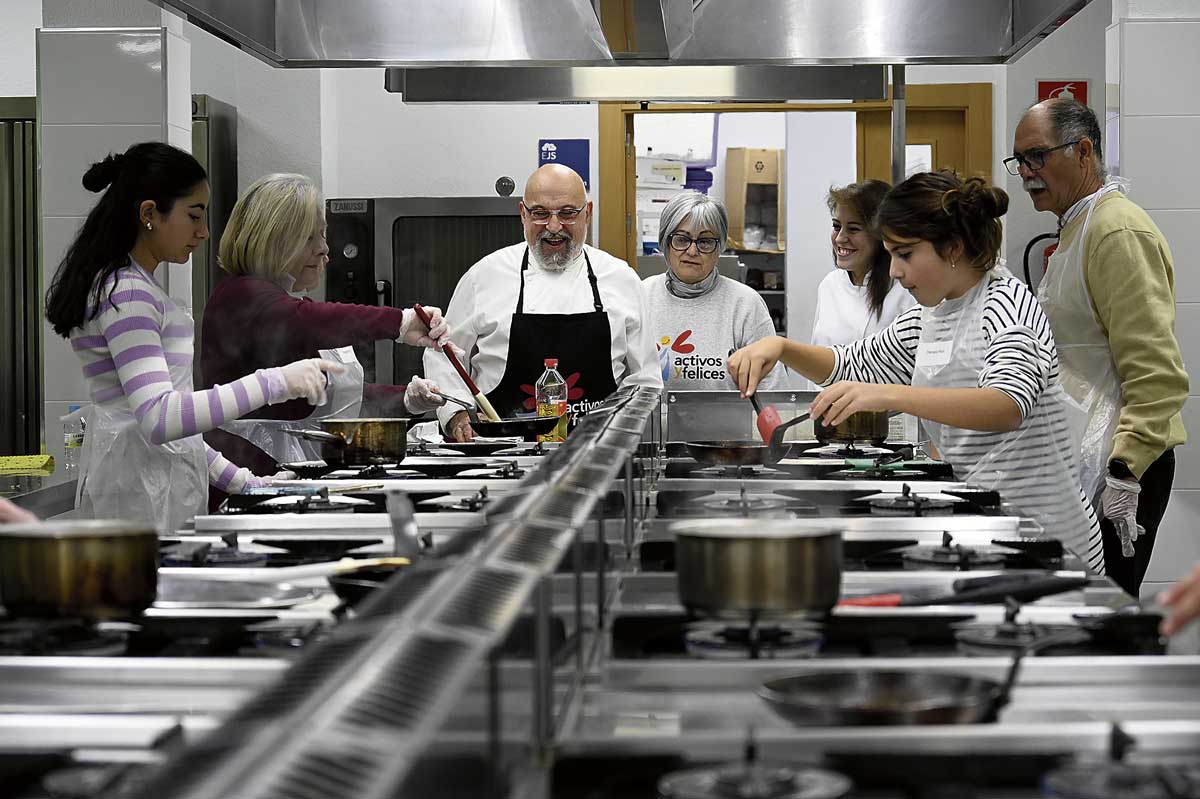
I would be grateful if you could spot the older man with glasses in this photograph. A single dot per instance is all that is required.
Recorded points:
(697, 316)
(1109, 293)
(551, 296)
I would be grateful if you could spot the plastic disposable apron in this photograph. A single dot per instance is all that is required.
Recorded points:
(1089, 376)
(1032, 467)
(124, 475)
(343, 400)
(582, 342)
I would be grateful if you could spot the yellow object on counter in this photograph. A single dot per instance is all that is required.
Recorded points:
(27, 465)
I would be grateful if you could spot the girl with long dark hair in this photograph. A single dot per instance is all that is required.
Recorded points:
(143, 457)
(858, 297)
(976, 361)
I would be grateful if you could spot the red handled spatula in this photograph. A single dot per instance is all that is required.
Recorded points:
(768, 419)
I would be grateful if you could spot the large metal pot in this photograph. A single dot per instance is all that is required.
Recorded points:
(359, 442)
(84, 569)
(761, 568)
(871, 426)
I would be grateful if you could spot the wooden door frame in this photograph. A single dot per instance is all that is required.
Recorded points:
(617, 184)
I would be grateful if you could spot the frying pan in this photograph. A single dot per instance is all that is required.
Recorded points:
(353, 585)
(745, 453)
(900, 696)
(527, 427)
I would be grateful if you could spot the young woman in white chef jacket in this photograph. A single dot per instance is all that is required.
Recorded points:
(976, 361)
(858, 297)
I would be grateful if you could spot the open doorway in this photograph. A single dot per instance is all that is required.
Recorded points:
(819, 144)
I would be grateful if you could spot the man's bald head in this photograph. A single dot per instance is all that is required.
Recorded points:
(554, 180)
(555, 187)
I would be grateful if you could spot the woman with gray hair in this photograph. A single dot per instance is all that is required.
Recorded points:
(697, 316)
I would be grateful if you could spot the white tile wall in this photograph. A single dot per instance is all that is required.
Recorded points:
(1181, 226)
(1161, 55)
(1187, 457)
(1178, 543)
(68, 150)
(1154, 156)
(1156, 63)
(1187, 331)
(99, 92)
(127, 89)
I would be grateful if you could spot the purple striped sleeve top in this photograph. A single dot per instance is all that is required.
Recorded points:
(127, 351)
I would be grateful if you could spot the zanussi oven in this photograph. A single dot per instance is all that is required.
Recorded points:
(400, 250)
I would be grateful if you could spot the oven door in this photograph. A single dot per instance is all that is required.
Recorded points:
(397, 251)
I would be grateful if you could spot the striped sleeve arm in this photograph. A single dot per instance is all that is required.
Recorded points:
(888, 356)
(132, 321)
(226, 476)
(1020, 359)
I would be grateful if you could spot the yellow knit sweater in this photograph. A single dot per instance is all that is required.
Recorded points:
(1131, 278)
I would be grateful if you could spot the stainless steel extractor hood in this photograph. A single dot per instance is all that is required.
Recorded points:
(366, 33)
(420, 33)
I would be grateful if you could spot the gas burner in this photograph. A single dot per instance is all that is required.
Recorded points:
(1010, 636)
(878, 474)
(469, 504)
(65, 637)
(311, 504)
(910, 504)
(234, 557)
(739, 472)
(743, 505)
(848, 451)
(753, 781)
(950, 556)
(300, 551)
(376, 471)
(724, 641)
(509, 471)
(1122, 781)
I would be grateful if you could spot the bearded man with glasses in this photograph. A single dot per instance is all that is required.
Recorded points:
(551, 296)
(1109, 293)
(697, 316)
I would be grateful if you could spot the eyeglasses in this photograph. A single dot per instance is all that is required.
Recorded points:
(1033, 160)
(541, 216)
(681, 241)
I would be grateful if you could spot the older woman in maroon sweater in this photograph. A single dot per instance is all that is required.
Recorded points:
(274, 245)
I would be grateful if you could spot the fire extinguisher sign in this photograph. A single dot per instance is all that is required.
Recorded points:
(1075, 89)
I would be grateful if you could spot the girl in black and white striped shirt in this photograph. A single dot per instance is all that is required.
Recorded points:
(976, 361)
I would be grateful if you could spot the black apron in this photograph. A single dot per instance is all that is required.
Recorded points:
(582, 342)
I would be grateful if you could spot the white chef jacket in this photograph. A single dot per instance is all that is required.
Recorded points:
(480, 313)
(844, 311)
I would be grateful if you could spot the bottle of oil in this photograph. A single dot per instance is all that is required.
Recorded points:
(550, 391)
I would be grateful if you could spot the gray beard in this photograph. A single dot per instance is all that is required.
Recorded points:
(560, 260)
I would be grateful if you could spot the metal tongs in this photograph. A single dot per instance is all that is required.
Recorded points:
(472, 412)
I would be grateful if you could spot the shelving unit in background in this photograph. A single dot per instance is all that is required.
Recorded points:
(763, 269)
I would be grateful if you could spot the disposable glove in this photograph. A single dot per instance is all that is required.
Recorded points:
(278, 476)
(1118, 504)
(307, 379)
(419, 397)
(414, 333)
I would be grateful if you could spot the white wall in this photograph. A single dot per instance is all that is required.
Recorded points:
(1153, 64)
(1075, 50)
(280, 113)
(18, 70)
(821, 152)
(383, 147)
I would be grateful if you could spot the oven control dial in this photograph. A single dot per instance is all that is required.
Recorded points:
(350, 250)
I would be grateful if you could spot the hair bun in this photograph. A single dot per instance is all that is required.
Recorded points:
(102, 173)
(982, 200)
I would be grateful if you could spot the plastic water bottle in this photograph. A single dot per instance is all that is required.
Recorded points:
(73, 432)
(550, 391)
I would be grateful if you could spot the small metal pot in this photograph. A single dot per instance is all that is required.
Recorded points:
(359, 442)
(101, 569)
(869, 426)
(738, 568)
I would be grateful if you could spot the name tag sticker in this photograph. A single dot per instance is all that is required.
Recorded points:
(934, 353)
